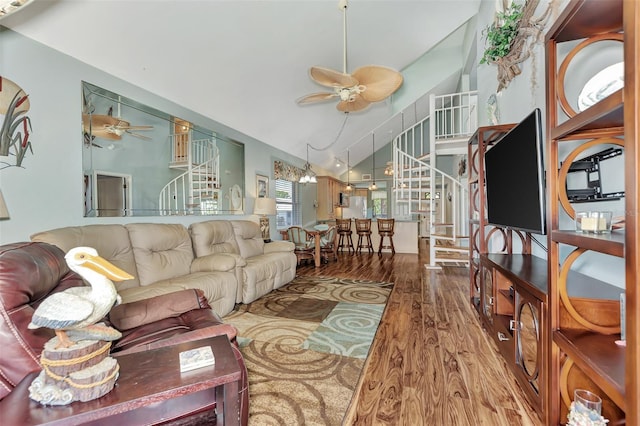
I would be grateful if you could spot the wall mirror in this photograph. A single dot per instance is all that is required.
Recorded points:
(139, 161)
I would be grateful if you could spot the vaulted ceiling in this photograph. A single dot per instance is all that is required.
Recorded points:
(244, 63)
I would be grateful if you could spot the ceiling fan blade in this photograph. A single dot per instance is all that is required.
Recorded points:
(358, 104)
(136, 127)
(330, 78)
(105, 134)
(98, 121)
(316, 97)
(146, 138)
(380, 82)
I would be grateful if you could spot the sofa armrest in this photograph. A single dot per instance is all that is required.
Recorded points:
(194, 319)
(279, 246)
(214, 262)
(240, 261)
(127, 316)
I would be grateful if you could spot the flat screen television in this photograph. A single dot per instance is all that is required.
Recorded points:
(514, 177)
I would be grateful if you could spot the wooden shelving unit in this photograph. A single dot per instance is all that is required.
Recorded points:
(507, 289)
(481, 140)
(583, 328)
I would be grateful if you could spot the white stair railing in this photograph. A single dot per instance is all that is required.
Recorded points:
(423, 190)
(198, 187)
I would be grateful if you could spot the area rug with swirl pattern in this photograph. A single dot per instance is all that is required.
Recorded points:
(305, 345)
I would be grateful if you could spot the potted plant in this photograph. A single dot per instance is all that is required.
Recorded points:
(501, 34)
(510, 39)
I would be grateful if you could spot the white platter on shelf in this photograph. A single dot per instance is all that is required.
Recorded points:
(601, 85)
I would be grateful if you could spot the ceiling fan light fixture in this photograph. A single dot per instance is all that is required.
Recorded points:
(9, 6)
(367, 84)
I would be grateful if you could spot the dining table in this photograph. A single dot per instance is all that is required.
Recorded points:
(317, 234)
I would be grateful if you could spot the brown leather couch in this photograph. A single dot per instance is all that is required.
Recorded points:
(29, 272)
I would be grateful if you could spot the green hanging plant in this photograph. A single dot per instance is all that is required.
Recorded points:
(501, 34)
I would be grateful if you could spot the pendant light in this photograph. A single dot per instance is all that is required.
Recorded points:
(309, 176)
(348, 188)
(373, 186)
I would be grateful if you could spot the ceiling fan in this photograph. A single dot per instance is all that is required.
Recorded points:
(112, 128)
(356, 91)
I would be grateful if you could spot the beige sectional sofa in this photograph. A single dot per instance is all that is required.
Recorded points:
(163, 259)
(260, 267)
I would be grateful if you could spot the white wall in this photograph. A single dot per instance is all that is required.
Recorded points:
(47, 192)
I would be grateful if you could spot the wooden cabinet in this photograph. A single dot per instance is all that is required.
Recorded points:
(507, 289)
(328, 193)
(513, 289)
(557, 328)
(583, 329)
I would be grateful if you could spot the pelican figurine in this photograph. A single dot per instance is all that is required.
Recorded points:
(81, 307)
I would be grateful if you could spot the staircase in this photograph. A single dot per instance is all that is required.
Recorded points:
(422, 191)
(197, 189)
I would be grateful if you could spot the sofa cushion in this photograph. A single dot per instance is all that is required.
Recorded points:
(213, 236)
(248, 238)
(162, 251)
(220, 289)
(131, 315)
(111, 242)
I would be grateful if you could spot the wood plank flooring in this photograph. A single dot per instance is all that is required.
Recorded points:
(431, 363)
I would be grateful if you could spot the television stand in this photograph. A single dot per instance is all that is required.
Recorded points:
(513, 311)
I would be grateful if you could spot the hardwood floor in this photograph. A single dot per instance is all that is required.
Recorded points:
(431, 363)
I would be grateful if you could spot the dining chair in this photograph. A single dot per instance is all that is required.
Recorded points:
(328, 246)
(304, 246)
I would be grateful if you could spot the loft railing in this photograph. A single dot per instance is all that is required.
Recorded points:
(423, 190)
(197, 187)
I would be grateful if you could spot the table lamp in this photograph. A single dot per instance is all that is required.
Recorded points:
(264, 207)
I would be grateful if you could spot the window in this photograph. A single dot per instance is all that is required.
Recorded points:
(287, 204)
(379, 201)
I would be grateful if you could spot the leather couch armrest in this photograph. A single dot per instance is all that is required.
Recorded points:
(213, 262)
(176, 339)
(128, 316)
(193, 325)
(279, 246)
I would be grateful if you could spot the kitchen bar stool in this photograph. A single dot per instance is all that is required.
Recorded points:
(363, 229)
(344, 231)
(385, 229)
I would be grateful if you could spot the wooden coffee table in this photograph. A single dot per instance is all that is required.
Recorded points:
(150, 390)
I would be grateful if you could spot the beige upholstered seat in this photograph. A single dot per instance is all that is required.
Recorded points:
(262, 267)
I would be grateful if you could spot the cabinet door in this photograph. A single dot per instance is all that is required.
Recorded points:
(529, 350)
